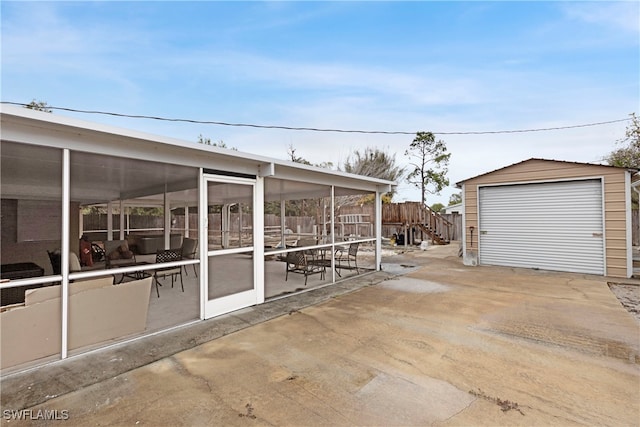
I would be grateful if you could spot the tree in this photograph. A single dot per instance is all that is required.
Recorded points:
(291, 152)
(207, 141)
(429, 159)
(437, 207)
(39, 106)
(375, 163)
(455, 199)
(627, 156)
(301, 207)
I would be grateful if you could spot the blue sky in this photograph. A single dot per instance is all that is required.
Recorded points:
(391, 66)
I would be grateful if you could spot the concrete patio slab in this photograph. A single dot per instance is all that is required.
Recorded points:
(443, 345)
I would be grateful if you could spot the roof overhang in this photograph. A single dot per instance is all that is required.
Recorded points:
(460, 183)
(37, 128)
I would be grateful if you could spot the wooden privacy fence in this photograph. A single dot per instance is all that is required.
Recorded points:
(141, 222)
(456, 220)
(392, 221)
(302, 224)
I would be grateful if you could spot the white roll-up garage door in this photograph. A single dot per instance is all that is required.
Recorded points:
(551, 226)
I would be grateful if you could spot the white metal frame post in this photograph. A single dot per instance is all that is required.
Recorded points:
(186, 220)
(378, 228)
(333, 235)
(64, 261)
(258, 238)
(283, 224)
(110, 221)
(203, 246)
(121, 227)
(167, 220)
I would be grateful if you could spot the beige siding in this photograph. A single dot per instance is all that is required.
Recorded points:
(537, 170)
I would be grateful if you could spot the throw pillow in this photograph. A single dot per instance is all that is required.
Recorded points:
(126, 254)
(85, 253)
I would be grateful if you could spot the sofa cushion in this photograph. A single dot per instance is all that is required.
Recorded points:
(74, 262)
(96, 316)
(114, 255)
(108, 313)
(111, 246)
(33, 296)
(125, 253)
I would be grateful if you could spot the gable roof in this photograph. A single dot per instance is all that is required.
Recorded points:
(459, 184)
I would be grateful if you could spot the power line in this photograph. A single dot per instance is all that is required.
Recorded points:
(311, 129)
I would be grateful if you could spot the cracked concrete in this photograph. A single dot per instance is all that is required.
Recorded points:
(444, 345)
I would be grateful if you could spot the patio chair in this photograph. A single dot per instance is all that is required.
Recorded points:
(56, 262)
(189, 250)
(168, 255)
(346, 256)
(305, 262)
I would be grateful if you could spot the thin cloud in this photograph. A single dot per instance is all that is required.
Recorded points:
(621, 16)
(425, 86)
(491, 67)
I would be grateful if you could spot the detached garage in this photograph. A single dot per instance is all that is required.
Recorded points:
(551, 215)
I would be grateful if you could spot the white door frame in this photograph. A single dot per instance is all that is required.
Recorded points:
(226, 304)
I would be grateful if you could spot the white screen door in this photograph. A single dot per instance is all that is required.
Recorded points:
(229, 271)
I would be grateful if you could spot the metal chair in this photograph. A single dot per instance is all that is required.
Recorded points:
(56, 262)
(163, 256)
(348, 256)
(303, 262)
(189, 250)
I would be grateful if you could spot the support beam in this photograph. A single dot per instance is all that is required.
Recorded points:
(64, 256)
(333, 235)
(186, 220)
(121, 227)
(378, 230)
(283, 223)
(258, 239)
(167, 221)
(110, 221)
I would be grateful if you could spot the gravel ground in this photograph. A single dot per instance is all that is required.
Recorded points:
(629, 296)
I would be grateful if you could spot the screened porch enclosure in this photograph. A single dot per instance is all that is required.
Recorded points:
(305, 215)
(33, 231)
(147, 204)
(86, 213)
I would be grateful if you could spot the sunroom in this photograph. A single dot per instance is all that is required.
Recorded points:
(102, 229)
